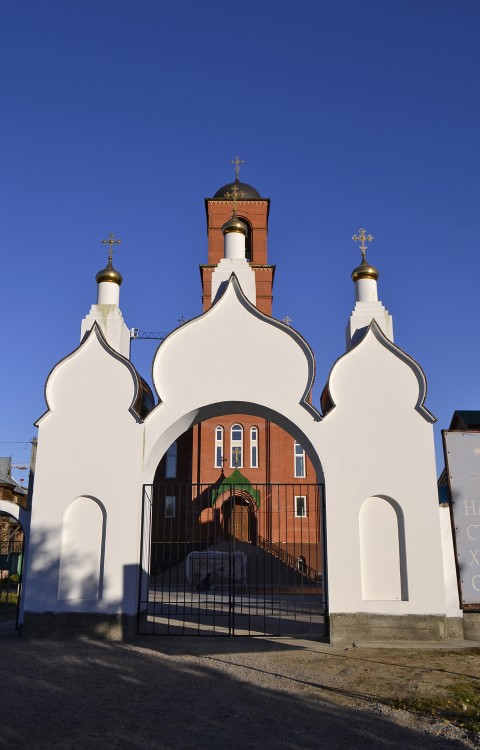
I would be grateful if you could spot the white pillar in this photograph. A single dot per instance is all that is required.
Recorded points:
(366, 290)
(367, 306)
(106, 312)
(234, 245)
(108, 293)
(234, 261)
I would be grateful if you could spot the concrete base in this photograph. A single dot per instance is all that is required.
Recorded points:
(60, 625)
(454, 628)
(471, 626)
(357, 627)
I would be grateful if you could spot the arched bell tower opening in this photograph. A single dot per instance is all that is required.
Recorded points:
(249, 240)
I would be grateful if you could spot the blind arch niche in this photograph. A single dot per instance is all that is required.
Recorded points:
(382, 550)
(82, 551)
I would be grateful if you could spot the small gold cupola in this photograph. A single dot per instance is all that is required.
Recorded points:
(234, 224)
(109, 279)
(365, 271)
(109, 273)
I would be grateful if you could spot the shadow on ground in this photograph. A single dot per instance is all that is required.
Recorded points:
(182, 693)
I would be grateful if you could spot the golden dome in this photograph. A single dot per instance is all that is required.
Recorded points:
(234, 224)
(109, 274)
(364, 271)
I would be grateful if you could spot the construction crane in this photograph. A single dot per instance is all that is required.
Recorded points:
(136, 333)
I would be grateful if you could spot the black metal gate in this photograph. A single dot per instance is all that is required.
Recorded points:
(232, 559)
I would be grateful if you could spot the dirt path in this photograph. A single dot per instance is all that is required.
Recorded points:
(221, 693)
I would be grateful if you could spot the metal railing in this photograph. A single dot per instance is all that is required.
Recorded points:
(276, 551)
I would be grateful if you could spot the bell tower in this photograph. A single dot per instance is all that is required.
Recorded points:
(253, 211)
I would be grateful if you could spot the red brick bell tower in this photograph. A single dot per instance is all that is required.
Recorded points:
(253, 210)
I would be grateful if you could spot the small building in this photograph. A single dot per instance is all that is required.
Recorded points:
(12, 497)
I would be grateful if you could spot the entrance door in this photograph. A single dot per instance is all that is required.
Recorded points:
(238, 520)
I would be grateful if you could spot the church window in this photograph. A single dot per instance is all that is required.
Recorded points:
(236, 446)
(299, 461)
(218, 447)
(300, 506)
(254, 447)
(170, 503)
(171, 461)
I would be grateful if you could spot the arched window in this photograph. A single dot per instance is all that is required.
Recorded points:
(171, 461)
(218, 447)
(236, 446)
(254, 447)
(248, 240)
(300, 469)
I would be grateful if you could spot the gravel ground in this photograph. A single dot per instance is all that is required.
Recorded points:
(221, 693)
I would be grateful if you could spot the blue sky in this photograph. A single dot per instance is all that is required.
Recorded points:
(122, 116)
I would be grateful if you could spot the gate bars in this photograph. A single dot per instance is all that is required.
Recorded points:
(236, 559)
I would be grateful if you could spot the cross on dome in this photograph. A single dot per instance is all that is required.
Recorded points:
(364, 270)
(234, 194)
(361, 237)
(237, 161)
(111, 242)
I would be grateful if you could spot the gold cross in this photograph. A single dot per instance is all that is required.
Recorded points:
(361, 237)
(111, 241)
(235, 194)
(236, 453)
(237, 163)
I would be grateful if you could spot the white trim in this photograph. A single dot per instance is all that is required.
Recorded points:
(218, 459)
(296, 506)
(298, 452)
(254, 446)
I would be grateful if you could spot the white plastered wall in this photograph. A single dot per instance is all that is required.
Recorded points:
(383, 446)
(89, 446)
(377, 441)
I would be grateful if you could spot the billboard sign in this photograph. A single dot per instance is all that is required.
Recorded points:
(462, 463)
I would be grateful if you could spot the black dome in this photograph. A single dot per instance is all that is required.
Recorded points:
(245, 192)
